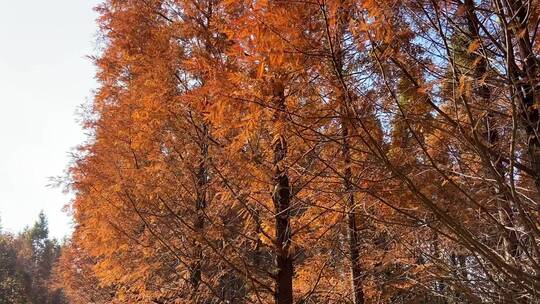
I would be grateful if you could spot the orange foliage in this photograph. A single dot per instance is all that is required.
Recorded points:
(357, 150)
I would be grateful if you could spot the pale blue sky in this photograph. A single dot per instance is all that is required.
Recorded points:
(44, 77)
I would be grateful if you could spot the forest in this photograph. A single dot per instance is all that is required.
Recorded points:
(306, 151)
(27, 262)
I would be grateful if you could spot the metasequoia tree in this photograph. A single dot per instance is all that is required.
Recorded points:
(281, 152)
(460, 118)
(328, 151)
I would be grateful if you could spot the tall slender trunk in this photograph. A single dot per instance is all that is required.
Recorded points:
(200, 206)
(353, 235)
(281, 198)
(352, 230)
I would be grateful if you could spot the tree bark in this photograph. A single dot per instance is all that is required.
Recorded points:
(352, 229)
(200, 206)
(281, 198)
(353, 237)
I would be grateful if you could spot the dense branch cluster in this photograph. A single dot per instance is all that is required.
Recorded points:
(319, 151)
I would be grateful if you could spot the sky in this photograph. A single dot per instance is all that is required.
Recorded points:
(44, 78)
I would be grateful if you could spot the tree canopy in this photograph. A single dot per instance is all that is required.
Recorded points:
(325, 151)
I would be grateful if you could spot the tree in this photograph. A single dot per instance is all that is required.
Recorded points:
(26, 263)
(13, 281)
(311, 152)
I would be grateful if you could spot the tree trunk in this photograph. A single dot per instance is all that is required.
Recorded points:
(281, 199)
(200, 205)
(352, 230)
(353, 237)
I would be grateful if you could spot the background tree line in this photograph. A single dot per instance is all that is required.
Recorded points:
(319, 151)
(26, 266)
